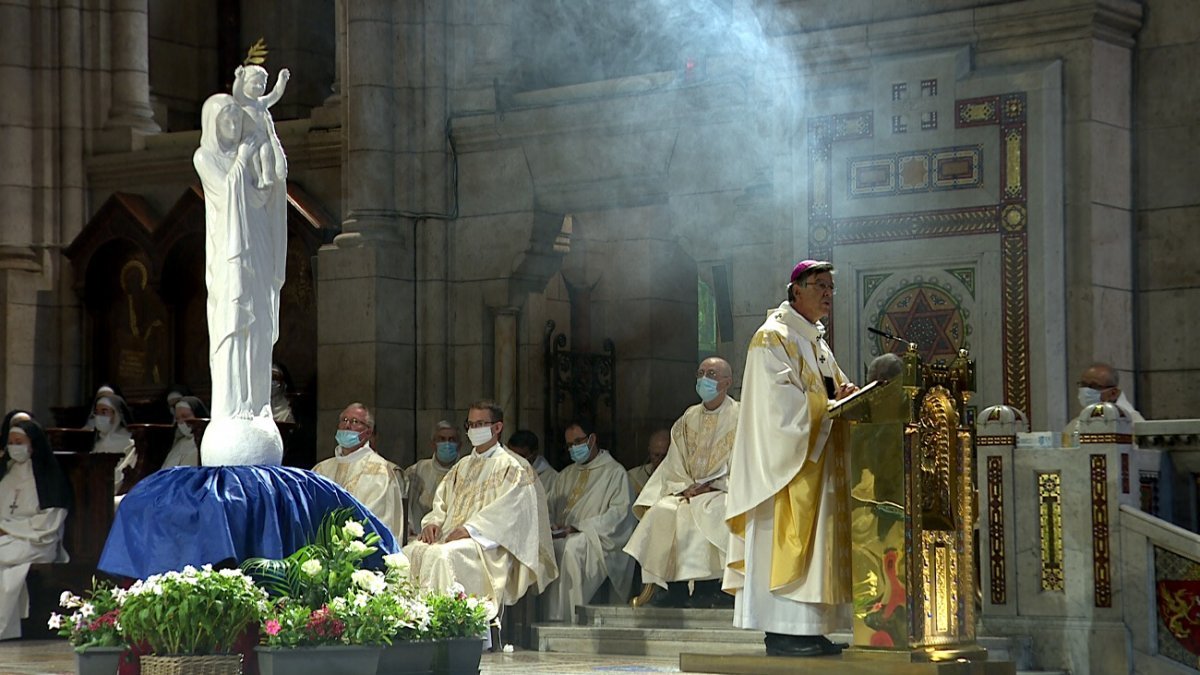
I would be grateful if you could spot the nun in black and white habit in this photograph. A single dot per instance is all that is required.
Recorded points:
(34, 498)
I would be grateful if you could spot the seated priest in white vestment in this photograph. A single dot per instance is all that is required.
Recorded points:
(355, 465)
(591, 522)
(184, 451)
(34, 498)
(1099, 384)
(489, 530)
(424, 477)
(525, 443)
(111, 415)
(682, 535)
(656, 449)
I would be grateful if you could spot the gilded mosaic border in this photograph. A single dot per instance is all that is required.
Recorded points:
(995, 440)
(1101, 555)
(995, 497)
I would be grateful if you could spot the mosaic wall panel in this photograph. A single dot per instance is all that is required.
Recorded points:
(932, 308)
(912, 172)
(1007, 219)
(1177, 597)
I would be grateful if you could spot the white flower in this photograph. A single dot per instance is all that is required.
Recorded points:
(353, 528)
(457, 589)
(338, 604)
(311, 567)
(119, 595)
(369, 581)
(87, 610)
(490, 608)
(69, 600)
(55, 621)
(360, 599)
(229, 573)
(357, 546)
(472, 602)
(396, 561)
(207, 567)
(189, 571)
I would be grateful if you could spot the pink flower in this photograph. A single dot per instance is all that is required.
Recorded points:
(273, 627)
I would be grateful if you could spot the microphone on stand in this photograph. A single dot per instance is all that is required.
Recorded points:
(887, 335)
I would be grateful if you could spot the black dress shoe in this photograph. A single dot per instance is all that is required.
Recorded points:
(675, 595)
(779, 644)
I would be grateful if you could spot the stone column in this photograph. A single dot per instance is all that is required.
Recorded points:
(130, 68)
(367, 314)
(505, 347)
(17, 139)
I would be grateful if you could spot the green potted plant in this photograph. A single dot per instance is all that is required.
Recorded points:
(191, 619)
(326, 605)
(459, 623)
(92, 627)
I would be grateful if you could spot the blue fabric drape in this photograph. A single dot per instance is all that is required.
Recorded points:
(191, 515)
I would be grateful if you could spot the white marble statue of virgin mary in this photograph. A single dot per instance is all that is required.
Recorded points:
(246, 250)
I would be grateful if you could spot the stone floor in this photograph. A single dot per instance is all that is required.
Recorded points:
(37, 657)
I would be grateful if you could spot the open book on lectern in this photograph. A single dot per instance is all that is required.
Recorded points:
(841, 404)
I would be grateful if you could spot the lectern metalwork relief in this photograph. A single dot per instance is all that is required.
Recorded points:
(912, 510)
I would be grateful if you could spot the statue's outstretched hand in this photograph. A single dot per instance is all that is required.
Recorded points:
(284, 75)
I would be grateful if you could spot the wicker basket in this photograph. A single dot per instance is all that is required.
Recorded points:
(213, 664)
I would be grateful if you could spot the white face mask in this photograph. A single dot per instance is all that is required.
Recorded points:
(1088, 396)
(479, 436)
(185, 429)
(104, 423)
(18, 453)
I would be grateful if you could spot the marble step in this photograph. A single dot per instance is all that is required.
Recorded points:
(653, 631)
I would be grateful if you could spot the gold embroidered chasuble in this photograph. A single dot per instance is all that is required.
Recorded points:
(498, 497)
(372, 480)
(684, 539)
(784, 452)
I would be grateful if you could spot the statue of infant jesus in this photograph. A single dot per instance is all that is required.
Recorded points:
(249, 84)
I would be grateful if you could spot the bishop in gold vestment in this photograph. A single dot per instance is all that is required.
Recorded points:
(789, 549)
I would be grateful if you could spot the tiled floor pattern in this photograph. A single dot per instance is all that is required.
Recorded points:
(22, 657)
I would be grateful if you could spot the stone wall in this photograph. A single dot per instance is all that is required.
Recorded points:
(1166, 247)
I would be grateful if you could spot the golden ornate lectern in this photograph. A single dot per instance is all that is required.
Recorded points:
(912, 517)
(912, 514)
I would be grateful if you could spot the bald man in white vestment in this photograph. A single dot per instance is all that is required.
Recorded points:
(489, 529)
(355, 465)
(590, 510)
(656, 450)
(682, 535)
